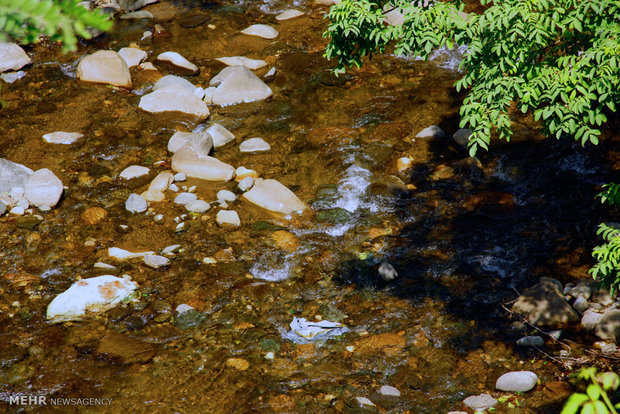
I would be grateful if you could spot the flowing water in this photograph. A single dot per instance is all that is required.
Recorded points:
(464, 238)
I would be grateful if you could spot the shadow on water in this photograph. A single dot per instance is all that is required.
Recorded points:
(473, 240)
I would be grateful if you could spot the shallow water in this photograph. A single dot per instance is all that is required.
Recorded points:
(463, 240)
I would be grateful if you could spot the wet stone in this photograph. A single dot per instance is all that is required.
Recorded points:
(185, 198)
(156, 261)
(221, 136)
(104, 66)
(389, 390)
(581, 304)
(480, 402)
(28, 222)
(178, 61)
(135, 203)
(254, 145)
(125, 350)
(197, 206)
(334, 216)
(521, 381)
(3, 208)
(133, 171)
(190, 319)
(531, 341)
(12, 57)
(261, 30)
(61, 137)
(461, 137)
(544, 305)
(432, 131)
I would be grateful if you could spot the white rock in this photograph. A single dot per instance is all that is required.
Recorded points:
(521, 381)
(18, 211)
(246, 183)
(236, 84)
(12, 175)
(209, 92)
(174, 83)
(199, 92)
(432, 131)
(162, 181)
(270, 74)
(104, 66)
(388, 390)
(590, 319)
(200, 142)
(102, 265)
(153, 196)
(135, 203)
(3, 208)
(182, 308)
(97, 294)
(226, 195)
(43, 188)
(461, 136)
(254, 145)
(174, 188)
(185, 198)
(220, 135)
(178, 60)
(227, 218)
(364, 401)
(61, 137)
(133, 171)
(480, 402)
(136, 15)
(132, 56)
(171, 249)
(12, 57)
(11, 77)
(289, 14)
(275, 197)
(242, 61)
(261, 30)
(204, 167)
(303, 330)
(155, 261)
(180, 177)
(197, 206)
(167, 100)
(242, 172)
(122, 254)
(147, 66)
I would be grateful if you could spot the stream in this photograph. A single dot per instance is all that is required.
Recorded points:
(464, 236)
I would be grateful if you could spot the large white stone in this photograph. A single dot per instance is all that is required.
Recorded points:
(227, 218)
(220, 135)
(43, 188)
(261, 30)
(195, 165)
(134, 171)
(175, 83)
(178, 61)
(197, 206)
(12, 57)
(167, 100)
(94, 295)
(254, 145)
(12, 175)
(200, 142)
(122, 254)
(132, 56)
(61, 137)
(275, 197)
(135, 203)
(242, 61)
(289, 14)
(521, 381)
(236, 84)
(162, 181)
(104, 66)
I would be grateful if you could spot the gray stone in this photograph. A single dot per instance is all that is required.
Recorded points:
(289, 14)
(556, 282)
(387, 271)
(580, 304)
(104, 66)
(261, 30)
(432, 131)
(155, 261)
(179, 61)
(220, 135)
(608, 327)
(197, 206)
(184, 198)
(237, 84)
(133, 171)
(43, 188)
(12, 175)
(254, 145)
(602, 297)
(61, 137)
(3, 209)
(582, 290)
(135, 203)
(12, 57)
(227, 218)
(521, 381)
(200, 142)
(137, 15)
(389, 390)
(590, 319)
(132, 56)
(461, 136)
(533, 341)
(168, 100)
(226, 195)
(480, 402)
(544, 305)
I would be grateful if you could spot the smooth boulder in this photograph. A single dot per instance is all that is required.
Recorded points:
(237, 84)
(204, 167)
(175, 83)
(200, 142)
(254, 145)
(178, 61)
(94, 295)
(43, 188)
(12, 175)
(521, 381)
(12, 57)
(261, 30)
(544, 305)
(167, 100)
(61, 137)
(132, 56)
(104, 66)
(289, 14)
(275, 197)
(220, 135)
(242, 61)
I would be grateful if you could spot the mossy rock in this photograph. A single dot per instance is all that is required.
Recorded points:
(334, 216)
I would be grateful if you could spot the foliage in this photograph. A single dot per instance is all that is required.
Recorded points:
(595, 400)
(62, 20)
(559, 59)
(607, 267)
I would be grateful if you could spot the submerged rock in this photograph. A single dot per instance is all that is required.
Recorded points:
(204, 167)
(174, 83)
(237, 84)
(275, 197)
(544, 305)
(104, 66)
(480, 402)
(521, 381)
(289, 14)
(94, 295)
(254, 145)
(242, 61)
(12, 57)
(168, 100)
(200, 142)
(261, 30)
(220, 135)
(43, 188)
(155, 261)
(135, 203)
(61, 137)
(179, 61)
